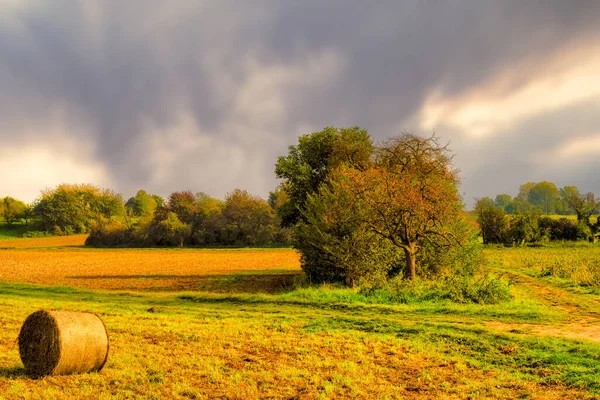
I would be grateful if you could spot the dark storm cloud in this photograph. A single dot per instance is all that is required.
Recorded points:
(119, 67)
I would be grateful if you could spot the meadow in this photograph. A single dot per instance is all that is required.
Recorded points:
(193, 323)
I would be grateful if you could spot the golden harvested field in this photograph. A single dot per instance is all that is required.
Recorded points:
(148, 269)
(54, 241)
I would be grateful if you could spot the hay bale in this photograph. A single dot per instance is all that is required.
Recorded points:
(63, 342)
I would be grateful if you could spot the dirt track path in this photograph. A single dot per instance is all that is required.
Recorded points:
(583, 310)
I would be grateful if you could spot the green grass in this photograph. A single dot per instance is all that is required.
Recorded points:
(13, 232)
(230, 340)
(315, 341)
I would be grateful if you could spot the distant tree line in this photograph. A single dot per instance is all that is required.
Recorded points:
(188, 219)
(146, 220)
(545, 198)
(516, 221)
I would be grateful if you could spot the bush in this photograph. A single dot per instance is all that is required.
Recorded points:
(458, 289)
(492, 222)
(464, 258)
(335, 244)
(111, 235)
(36, 234)
(167, 230)
(524, 228)
(558, 229)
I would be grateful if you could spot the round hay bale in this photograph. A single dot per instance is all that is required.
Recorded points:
(63, 342)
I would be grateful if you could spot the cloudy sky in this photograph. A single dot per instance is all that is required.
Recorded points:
(204, 95)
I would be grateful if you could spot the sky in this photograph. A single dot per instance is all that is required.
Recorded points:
(205, 95)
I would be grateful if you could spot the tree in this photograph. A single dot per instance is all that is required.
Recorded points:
(410, 195)
(524, 190)
(505, 202)
(249, 219)
(492, 222)
(309, 163)
(76, 208)
(524, 228)
(584, 205)
(12, 209)
(184, 204)
(335, 242)
(544, 195)
(142, 204)
(26, 214)
(166, 229)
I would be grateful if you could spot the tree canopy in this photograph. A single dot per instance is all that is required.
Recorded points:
(309, 163)
(367, 205)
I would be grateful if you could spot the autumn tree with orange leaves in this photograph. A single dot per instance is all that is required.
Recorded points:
(410, 195)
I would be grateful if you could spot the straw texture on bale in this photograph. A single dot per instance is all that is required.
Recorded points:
(63, 342)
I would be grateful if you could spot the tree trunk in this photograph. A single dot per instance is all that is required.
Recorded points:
(410, 270)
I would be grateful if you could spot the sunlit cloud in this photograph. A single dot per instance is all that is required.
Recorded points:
(65, 154)
(26, 170)
(573, 151)
(528, 89)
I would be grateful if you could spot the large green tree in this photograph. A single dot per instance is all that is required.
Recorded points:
(309, 163)
(371, 223)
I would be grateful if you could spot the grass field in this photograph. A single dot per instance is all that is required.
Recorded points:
(238, 324)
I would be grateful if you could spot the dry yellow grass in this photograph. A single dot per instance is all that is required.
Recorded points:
(127, 269)
(53, 241)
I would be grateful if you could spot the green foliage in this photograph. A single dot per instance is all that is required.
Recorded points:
(558, 229)
(248, 219)
(366, 224)
(543, 195)
(167, 229)
(492, 222)
(335, 243)
(309, 163)
(505, 202)
(143, 204)
(198, 220)
(463, 258)
(524, 228)
(12, 210)
(70, 209)
(35, 234)
(584, 205)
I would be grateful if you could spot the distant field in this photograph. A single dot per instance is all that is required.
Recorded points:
(569, 217)
(52, 241)
(194, 324)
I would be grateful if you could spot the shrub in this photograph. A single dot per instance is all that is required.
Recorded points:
(36, 234)
(459, 289)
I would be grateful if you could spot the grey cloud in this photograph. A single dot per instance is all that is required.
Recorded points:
(119, 65)
(527, 153)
